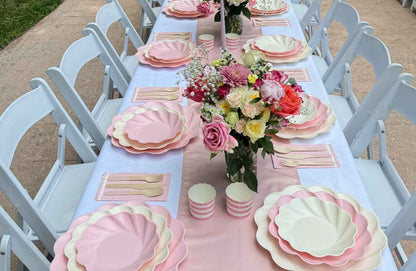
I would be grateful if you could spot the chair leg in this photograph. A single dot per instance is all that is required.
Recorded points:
(5, 249)
(401, 255)
(404, 3)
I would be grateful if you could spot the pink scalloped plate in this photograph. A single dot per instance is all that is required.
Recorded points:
(186, 6)
(362, 238)
(121, 242)
(299, 47)
(192, 118)
(169, 50)
(178, 250)
(170, 12)
(154, 127)
(144, 60)
(323, 113)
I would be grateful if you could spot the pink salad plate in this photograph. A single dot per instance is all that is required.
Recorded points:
(193, 122)
(120, 242)
(158, 64)
(178, 250)
(324, 111)
(186, 6)
(154, 127)
(362, 238)
(169, 50)
(255, 11)
(299, 47)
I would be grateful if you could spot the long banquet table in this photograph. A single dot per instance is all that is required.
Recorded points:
(345, 179)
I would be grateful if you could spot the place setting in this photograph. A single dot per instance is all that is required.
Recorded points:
(166, 53)
(267, 7)
(190, 8)
(278, 48)
(315, 228)
(154, 127)
(145, 94)
(129, 236)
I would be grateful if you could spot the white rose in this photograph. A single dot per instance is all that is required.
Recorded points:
(233, 99)
(239, 126)
(249, 110)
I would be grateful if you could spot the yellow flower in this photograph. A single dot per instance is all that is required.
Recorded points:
(224, 105)
(216, 63)
(252, 78)
(254, 95)
(265, 115)
(254, 129)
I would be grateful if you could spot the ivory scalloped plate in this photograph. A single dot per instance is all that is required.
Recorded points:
(311, 132)
(362, 238)
(317, 227)
(165, 235)
(266, 5)
(275, 43)
(369, 261)
(308, 112)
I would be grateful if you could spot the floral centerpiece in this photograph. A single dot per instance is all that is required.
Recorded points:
(232, 10)
(241, 106)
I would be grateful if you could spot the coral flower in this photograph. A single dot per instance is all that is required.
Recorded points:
(235, 74)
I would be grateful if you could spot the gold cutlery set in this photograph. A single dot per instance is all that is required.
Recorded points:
(172, 36)
(163, 93)
(310, 155)
(149, 185)
(271, 22)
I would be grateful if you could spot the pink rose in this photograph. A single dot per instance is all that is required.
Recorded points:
(276, 75)
(239, 126)
(217, 136)
(204, 8)
(258, 84)
(233, 99)
(297, 88)
(249, 110)
(271, 91)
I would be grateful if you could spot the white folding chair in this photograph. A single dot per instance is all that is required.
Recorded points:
(377, 54)
(13, 239)
(389, 195)
(106, 16)
(94, 123)
(149, 15)
(52, 209)
(308, 14)
(343, 13)
(413, 5)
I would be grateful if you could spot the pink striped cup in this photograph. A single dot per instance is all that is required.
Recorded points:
(201, 200)
(239, 200)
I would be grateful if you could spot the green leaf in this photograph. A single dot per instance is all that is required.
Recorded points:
(271, 131)
(250, 179)
(213, 154)
(234, 166)
(246, 12)
(268, 145)
(254, 147)
(292, 81)
(255, 100)
(217, 17)
(263, 153)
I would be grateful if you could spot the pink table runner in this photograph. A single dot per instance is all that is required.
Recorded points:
(223, 242)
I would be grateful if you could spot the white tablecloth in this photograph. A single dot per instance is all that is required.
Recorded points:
(345, 179)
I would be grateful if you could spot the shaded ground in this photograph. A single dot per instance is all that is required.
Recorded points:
(43, 45)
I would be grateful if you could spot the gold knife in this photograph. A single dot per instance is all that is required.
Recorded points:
(139, 186)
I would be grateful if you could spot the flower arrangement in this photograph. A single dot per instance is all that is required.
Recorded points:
(242, 104)
(232, 10)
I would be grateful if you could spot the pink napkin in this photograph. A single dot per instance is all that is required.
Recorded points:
(172, 36)
(327, 155)
(300, 74)
(137, 99)
(105, 180)
(271, 22)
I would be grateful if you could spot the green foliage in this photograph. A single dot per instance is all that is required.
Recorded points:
(292, 81)
(255, 100)
(16, 16)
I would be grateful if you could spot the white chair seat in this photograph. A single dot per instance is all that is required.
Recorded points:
(131, 63)
(385, 203)
(107, 113)
(342, 109)
(320, 64)
(300, 10)
(58, 211)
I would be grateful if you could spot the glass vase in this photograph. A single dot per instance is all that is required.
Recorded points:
(243, 159)
(234, 24)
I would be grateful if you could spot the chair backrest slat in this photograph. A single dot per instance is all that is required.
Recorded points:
(106, 16)
(77, 55)
(21, 246)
